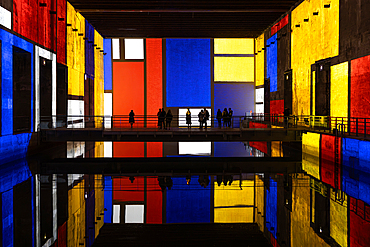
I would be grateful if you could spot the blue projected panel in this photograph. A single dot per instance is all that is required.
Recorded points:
(9, 40)
(107, 64)
(108, 197)
(188, 73)
(271, 57)
(14, 146)
(231, 149)
(89, 49)
(271, 208)
(7, 218)
(238, 97)
(188, 203)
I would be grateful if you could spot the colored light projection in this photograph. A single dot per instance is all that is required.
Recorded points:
(282, 23)
(271, 207)
(6, 17)
(311, 41)
(8, 41)
(234, 69)
(107, 64)
(231, 149)
(359, 223)
(153, 201)
(89, 49)
(125, 191)
(259, 191)
(271, 60)
(76, 223)
(260, 60)
(108, 199)
(339, 90)
(14, 147)
(75, 52)
(99, 79)
(261, 146)
(188, 73)
(311, 154)
(128, 91)
(128, 149)
(330, 171)
(188, 205)
(233, 205)
(277, 149)
(154, 99)
(233, 46)
(154, 149)
(61, 31)
(277, 108)
(338, 218)
(99, 192)
(134, 49)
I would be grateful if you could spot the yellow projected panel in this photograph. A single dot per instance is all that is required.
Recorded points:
(233, 215)
(311, 154)
(260, 202)
(260, 60)
(234, 46)
(239, 69)
(313, 91)
(312, 41)
(338, 219)
(99, 79)
(75, 52)
(339, 90)
(76, 215)
(276, 149)
(99, 202)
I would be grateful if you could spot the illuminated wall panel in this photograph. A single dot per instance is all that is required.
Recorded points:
(99, 199)
(188, 78)
(154, 78)
(339, 90)
(154, 201)
(260, 60)
(8, 41)
(311, 154)
(5, 18)
(283, 22)
(234, 69)
(89, 49)
(359, 223)
(271, 207)
(154, 149)
(260, 94)
(231, 149)
(233, 205)
(46, 25)
(134, 49)
(233, 46)
(108, 197)
(271, 60)
(277, 107)
(262, 146)
(260, 202)
(99, 79)
(360, 71)
(107, 46)
(128, 149)
(61, 31)
(76, 215)
(186, 205)
(14, 147)
(128, 89)
(125, 191)
(328, 174)
(75, 52)
(338, 219)
(108, 104)
(276, 149)
(116, 51)
(195, 148)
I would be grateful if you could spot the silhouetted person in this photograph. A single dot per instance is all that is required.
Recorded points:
(169, 182)
(132, 179)
(169, 117)
(206, 117)
(230, 117)
(219, 180)
(159, 117)
(201, 119)
(225, 116)
(131, 118)
(286, 116)
(162, 183)
(188, 118)
(219, 117)
(188, 179)
(162, 116)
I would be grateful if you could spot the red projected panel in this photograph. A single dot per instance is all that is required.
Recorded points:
(154, 201)
(61, 45)
(128, 149)
(128, 92)
(359, 223)
(277, 107)
(125, 191)
(262, 146)
(280, 25)
(328, 173)
(24, 21)
(154, 149)
(153, 78)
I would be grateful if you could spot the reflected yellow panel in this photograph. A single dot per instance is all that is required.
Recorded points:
(76, 215)
(260, 202)
(276, 149)
(240, 69)
(99, 203)
(338, 217)
(339, 90)
(312, 41)
(233, 215)
(99, 80)
(311, 154)
(75, 52)
(234, 46)
(260, 60)
(99, 149)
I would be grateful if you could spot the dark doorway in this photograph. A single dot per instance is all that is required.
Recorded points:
(46, 88)
(89, 101)
(21, 90)
(46, 208)
(288, 95)
(62, 93)
(322, 89)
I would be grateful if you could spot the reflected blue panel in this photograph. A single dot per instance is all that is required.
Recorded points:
(108, 197)
(271, 207)
(9, 40)
(238, 97)
(108, 64)
(7, 218)
(188, 204)
(89, 49)
(188, 78)
(271, 57)
(14, 146)
(231, 149)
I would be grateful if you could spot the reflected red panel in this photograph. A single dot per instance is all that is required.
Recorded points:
(262, 146)
(328, 173)
(359, 227)
(128, 92)
(274, 241)
(280, 25)
(128, 149)
(154, 201)
(62, 235)
(154, 149)
(61, 22)
(125, 191)
(153, 79)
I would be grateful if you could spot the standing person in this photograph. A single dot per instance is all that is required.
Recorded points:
(131, 118)
(225, 116)
(169, 117)
(286, 116)
(188, 118)
(219, 117)
(201, 119)
(206, 117)
(159, 117)
(162, 118)
(230, 116)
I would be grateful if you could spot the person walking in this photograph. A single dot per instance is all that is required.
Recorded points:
(219, 117)
(169, 117)
(188, 118)
(201, 119)
(225, 116)
(206, 117)
(162, 117)
(131, 118)
(230, 117)
(159, 117)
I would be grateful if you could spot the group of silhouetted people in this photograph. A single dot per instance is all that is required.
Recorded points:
(164, 119)
(224, 116)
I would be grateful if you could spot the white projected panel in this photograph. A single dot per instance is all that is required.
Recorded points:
(134, 49)
(115, 49)
(260, 108)
(75, 109)
(195, 148)
(5, 18)
(260, 95)
(108, 149)
(116, 214)
(194, 116)
(75, 149)
(107, 110)
(134, 214)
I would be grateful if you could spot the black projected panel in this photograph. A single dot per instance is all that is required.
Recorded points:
(322, 89)
(45, 87)
(288, 95)
(267, 96)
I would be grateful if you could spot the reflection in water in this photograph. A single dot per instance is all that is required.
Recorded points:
(326, 205)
